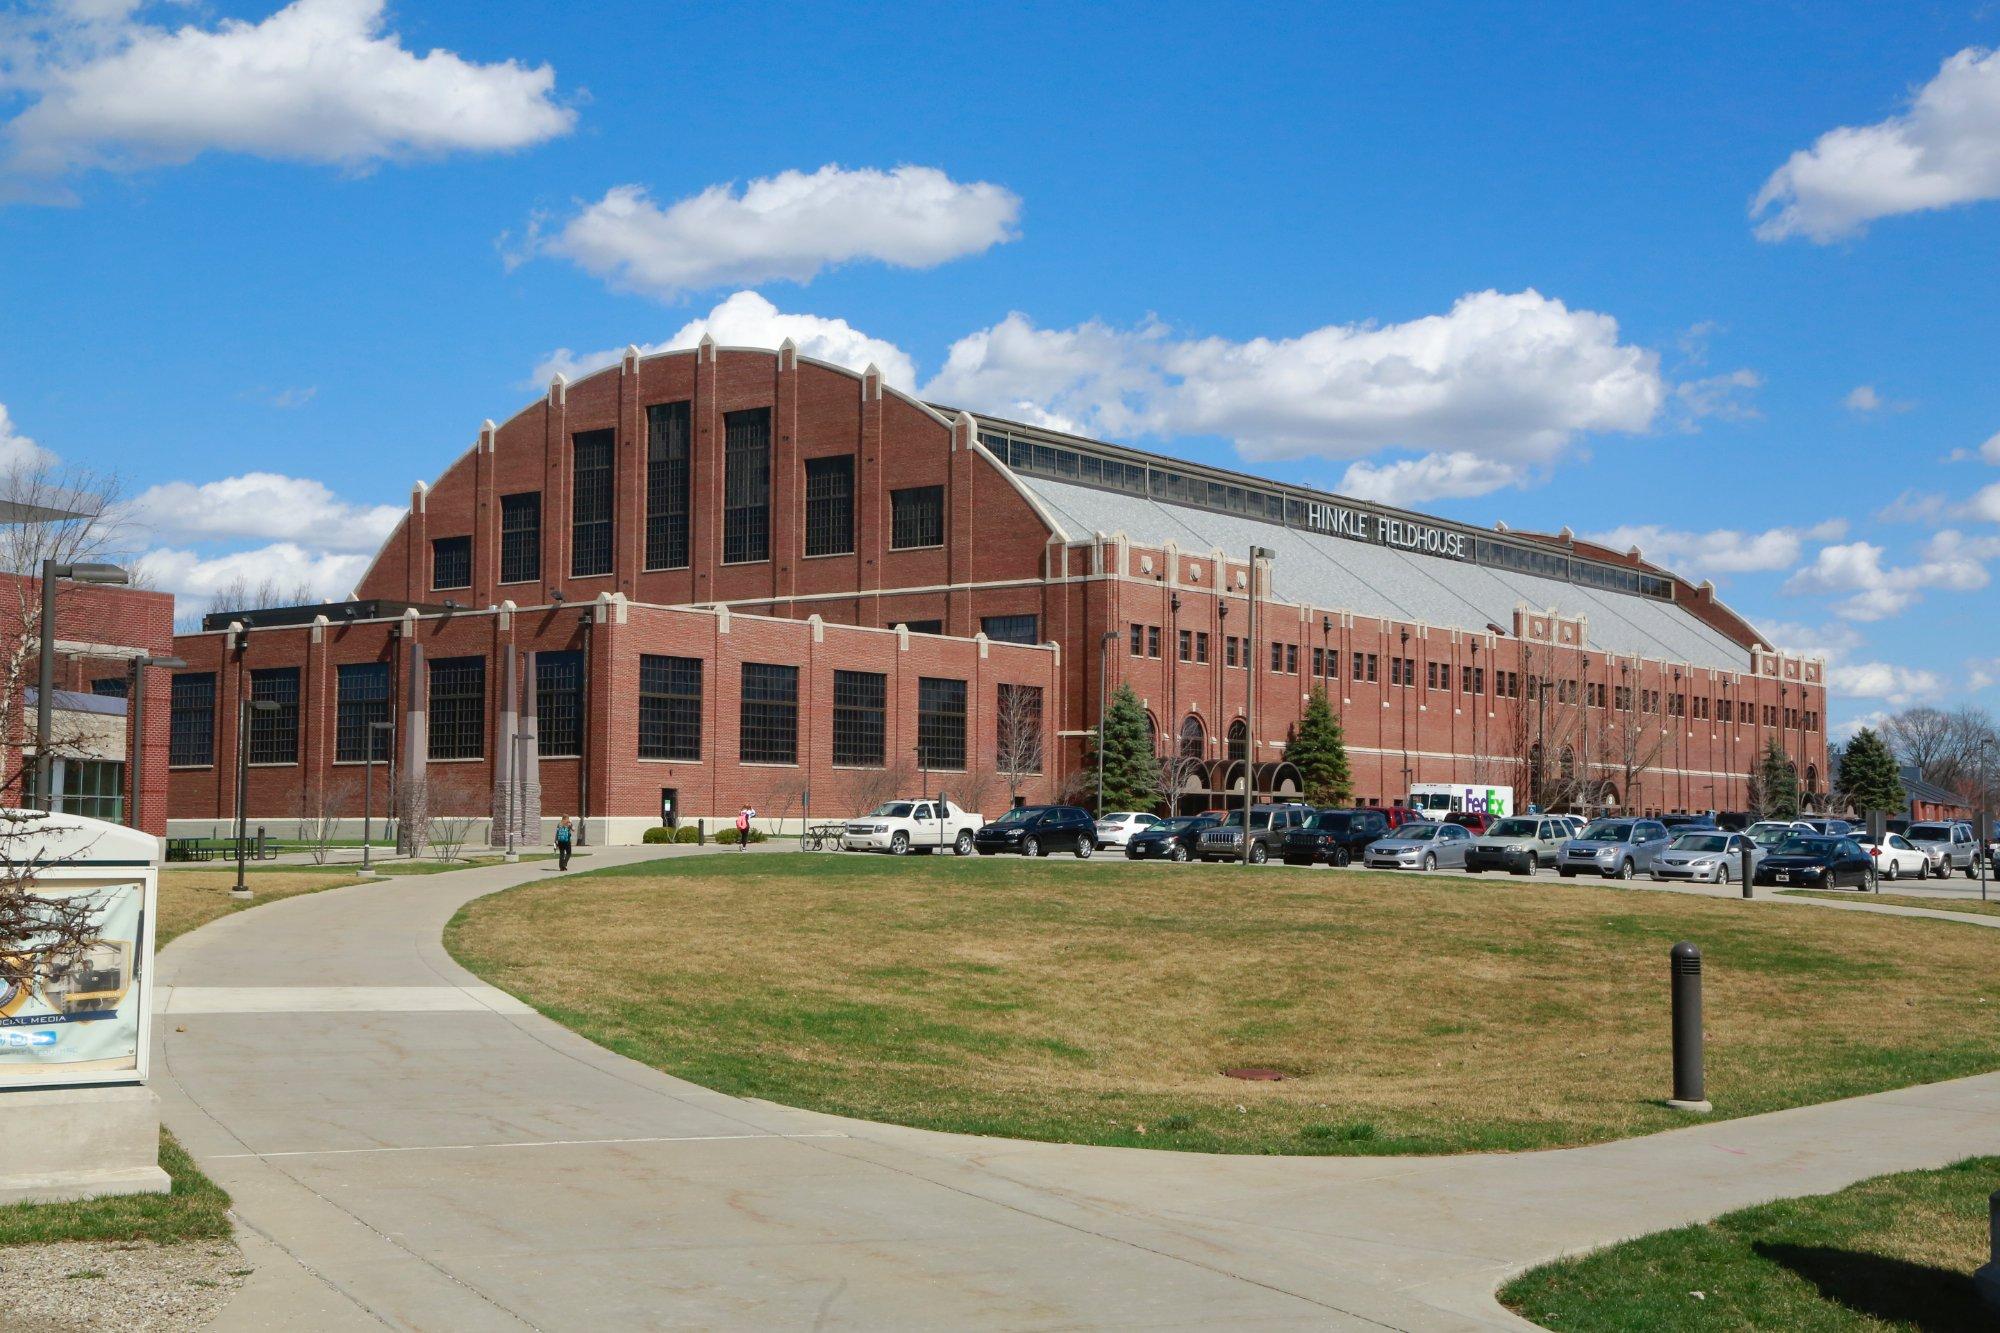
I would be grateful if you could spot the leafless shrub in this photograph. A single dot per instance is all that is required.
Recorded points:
(321, 808)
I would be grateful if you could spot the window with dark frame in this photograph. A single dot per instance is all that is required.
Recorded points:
(670, 707)
(1187, 645)
(521, 538)
(746, 486)
(559, 704)
(1201, 646)
(1291, 659)
(1019, 714)
(667, 485)
(1152, 640)
(457, 708)
(1229, 650)
(274, 733)
(191, 720)
(112, 687)
(921, 626)
(860, 718)
(360, 697)
(1138, 640)
(940, 723)
(769, 730)
(830, 505)
(916, 517)
(1011, 629)
(451, 562)
(590, 503)
(1277, 656)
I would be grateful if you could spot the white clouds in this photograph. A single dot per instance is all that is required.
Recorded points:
(1830, 643)
(17, 451)
(1913, 507)
(788, 226)
(1508, 379)
(1864, 398)
(1429, 478)
(259, 506)
(1898, 686)
(1722, 550)
(1872, 591)
(746, 319)
(318, 81)
(1944, 150)
(190, 576)
(1988, 452)
(1723, 397)
(1984, 505)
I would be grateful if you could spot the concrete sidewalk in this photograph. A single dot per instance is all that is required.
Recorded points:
(408, 1147)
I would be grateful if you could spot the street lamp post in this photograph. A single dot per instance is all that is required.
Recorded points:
(243, 709)
(1104, 643)
(368, 792)
(136, 722)
(1251, 670)
(1982, 822)
(86, 572)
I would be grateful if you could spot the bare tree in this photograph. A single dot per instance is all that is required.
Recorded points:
(970, 792)
(1017, 749)
(243, 594)
(1631, 738)
(876, 785)
(1176, 769)
(1544, 736)
(321, 808)
(44, 937)
(452, 808)
(1947, 748)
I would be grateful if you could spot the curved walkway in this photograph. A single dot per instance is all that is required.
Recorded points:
(410, 1148)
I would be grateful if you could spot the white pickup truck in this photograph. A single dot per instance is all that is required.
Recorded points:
(913, 824)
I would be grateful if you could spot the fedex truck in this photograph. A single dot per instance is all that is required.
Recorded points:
(1435, 800)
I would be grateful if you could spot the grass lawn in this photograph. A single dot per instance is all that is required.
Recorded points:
(190, 898)
(1967, 906)
(1100, 1003)
(195, 1209)
(1896, 1252)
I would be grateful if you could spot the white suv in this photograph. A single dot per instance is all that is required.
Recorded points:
(1116, 829)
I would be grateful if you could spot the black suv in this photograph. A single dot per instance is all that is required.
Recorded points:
(1334, 837)
(1037, 830)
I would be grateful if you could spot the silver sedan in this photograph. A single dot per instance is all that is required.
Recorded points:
(1706, 858)
(1420, 847)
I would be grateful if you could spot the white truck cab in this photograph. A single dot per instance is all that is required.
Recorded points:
(912, 824)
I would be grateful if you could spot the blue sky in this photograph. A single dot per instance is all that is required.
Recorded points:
(1489, 261)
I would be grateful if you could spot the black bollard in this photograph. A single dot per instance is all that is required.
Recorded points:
(1749, 867)
(701, 833)
(1684, 967)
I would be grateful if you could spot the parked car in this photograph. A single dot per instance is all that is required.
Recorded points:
(1268, 826)
(1037, 830)
(1895, 856)
(1519, 843)
(1681, 823)
(1577, 824)
(1170, 839)
(1816, 860)
(1706, 856)
(912, 824)
(1768, 833)
(1472, 821)
(1334, 837)
(1832, 828)
(1420, 847)
(1399, 815)
(1116, 829)
(1613, 848)
(1948, 844)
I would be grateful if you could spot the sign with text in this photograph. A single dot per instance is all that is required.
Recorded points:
(1402, 533)
(87, 1025)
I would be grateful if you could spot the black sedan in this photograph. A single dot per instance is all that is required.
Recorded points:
(1815, 861)
(1170, 840)
(1037, 830)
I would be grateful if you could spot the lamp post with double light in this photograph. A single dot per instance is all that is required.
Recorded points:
(53, 570)
(244, 709)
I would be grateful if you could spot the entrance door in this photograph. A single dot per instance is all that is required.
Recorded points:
(670, 807)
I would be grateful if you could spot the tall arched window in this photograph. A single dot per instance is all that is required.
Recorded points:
(1194, 738)
(1239, 739)
(1152, 735)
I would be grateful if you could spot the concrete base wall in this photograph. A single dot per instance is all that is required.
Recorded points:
(79, 1143)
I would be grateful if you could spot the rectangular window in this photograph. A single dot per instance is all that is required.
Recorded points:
(669, 708)
(1277, 656)
(667, 484)
(746, 485)
(1430, 675)
(361, 697)
(112, 687)
(940, 723)
(191, 725)
(1229, 650)
(274, 733)
(860, 717)
(1138, 640)
(830, 505)
(451, 562)
(1018, 729)
(590, 503)
(1291, 659)
(1319, 661)
(916, 517)
(769, 731)
(458, 708)
(1012, 629)
(921, 626)
(1201, 646)
(521, 538)
(1187, 645)
(1152, 640)
(559, 704)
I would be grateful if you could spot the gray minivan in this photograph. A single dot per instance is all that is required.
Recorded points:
(1613, 848)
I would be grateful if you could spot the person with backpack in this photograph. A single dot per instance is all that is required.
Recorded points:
(743, 818)
(565, 841)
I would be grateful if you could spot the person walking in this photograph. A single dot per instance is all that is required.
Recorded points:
(743, 818)
(565, 840)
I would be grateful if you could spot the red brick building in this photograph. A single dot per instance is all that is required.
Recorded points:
(99, 633)
(742, 576)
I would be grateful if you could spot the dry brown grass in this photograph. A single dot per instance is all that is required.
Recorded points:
(1099, 1003)
(190, 898)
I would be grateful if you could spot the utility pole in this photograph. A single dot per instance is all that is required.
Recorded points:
(1103, 690)
(1252, 669)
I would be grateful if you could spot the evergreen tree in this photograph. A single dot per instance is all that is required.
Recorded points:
(1780, 783)
(1319, 752)
(1131, 770)
(1868, 776)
